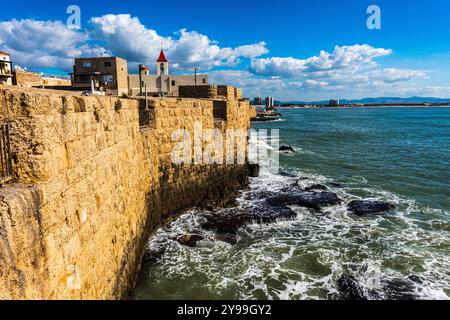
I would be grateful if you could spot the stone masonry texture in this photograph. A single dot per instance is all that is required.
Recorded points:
(94, 179)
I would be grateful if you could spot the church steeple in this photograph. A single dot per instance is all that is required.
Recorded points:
(162, 64)
(162, 57)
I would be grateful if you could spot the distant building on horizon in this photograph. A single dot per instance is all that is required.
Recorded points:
(257, 101)
(334, 103)
(270, 102)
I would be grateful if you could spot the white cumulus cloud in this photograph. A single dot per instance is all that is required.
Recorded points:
(51, 44)
(45, 44)
(346, 58)
(126, 36)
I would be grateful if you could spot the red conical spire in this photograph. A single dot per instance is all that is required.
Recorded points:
(162, 57)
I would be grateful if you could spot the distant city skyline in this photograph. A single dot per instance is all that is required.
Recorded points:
(301, 50)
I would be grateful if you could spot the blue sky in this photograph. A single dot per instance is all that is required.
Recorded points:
(267, 47)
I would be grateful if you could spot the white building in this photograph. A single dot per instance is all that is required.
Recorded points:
(5, 68)
(161, 83)
(270, 102)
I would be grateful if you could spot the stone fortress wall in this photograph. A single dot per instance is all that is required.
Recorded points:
(94, 179)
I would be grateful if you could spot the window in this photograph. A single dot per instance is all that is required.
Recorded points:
(173, 83)
(108, 64)
(204, 81)
(87, 64)
(108, 78)
(82, 78)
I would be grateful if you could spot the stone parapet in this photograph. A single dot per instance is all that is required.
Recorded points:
(210, 92)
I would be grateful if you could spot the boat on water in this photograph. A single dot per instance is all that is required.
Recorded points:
(265, 116)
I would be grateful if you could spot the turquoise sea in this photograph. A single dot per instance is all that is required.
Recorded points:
(399, 155)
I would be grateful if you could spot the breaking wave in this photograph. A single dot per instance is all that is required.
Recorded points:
(400, 255)
(303, 258)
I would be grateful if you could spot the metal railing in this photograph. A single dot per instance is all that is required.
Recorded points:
(6, 168)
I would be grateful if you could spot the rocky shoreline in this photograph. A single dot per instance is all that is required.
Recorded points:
(226, 219)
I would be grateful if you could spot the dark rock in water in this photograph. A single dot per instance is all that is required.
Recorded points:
(313, 200)
(350, 288)
(283, 200)
(253, 170)
(399, 289)
(336, 185)
(287, 149)
(320, 200)
(415, 279)
(268, 215)
(366, 207)
(316, 187)
(259, 195)
(226, 223)
(228, 238)
(288, 189)
(230, 222)
(153, 255)
(392, 289)
(292, 188)
(190, 240)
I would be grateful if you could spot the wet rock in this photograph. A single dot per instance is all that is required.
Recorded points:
(316, 187)
(312, 200)
(294, 188)
(253, 170)
(350, 288)
(152, 255)
(228, 238)
(399, 289)
(230, 222)
(415, 279)
(366, 207)
(266, 215)
(259, 195)
(226, 223)
(190, 240)
(283, 200)
(225, 197)
(336, 185)
(287, 149)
